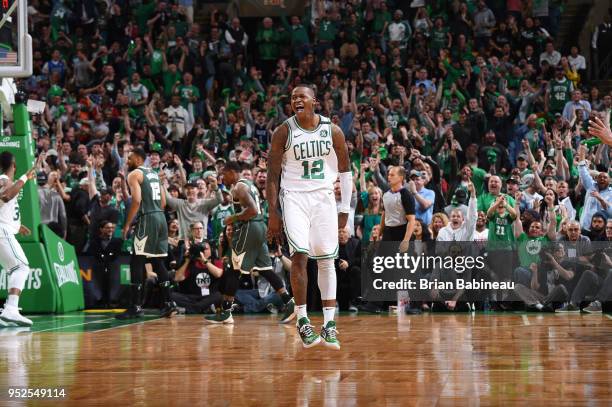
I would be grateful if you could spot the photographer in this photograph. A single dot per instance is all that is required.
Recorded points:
(199, 277)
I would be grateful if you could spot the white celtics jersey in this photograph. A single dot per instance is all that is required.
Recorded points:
(10, 220)
(309, 162)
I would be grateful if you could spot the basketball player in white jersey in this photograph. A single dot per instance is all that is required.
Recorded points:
(12, 257)
(308, 153)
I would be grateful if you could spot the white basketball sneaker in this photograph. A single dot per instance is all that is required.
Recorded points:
(11, 314)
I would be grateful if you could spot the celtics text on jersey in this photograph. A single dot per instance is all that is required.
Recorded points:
(309, 162)
(560, 93)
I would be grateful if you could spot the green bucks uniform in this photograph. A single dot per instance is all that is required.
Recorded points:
(151, 236)
(560, 93)
(249, 247)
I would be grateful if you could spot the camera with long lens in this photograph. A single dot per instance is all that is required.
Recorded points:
(195, 250)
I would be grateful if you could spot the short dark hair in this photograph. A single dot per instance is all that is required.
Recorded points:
(103, 223)
(6, 161)
(140, 153)
(232, 166)
(312, 88)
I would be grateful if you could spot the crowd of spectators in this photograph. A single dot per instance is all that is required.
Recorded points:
(443, 94)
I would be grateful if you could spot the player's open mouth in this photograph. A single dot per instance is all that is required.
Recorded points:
(299, 108)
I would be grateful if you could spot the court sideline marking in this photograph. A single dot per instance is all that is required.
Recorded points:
(73, 325)
(129, 324)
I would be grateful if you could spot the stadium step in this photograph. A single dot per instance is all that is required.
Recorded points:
(572, 21)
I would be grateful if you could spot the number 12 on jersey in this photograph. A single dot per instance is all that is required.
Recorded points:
(156, 191)
(314, 171)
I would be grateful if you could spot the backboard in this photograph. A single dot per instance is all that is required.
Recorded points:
(15, 42)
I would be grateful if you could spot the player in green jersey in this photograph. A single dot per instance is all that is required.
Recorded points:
(150, 234)
(249, 248)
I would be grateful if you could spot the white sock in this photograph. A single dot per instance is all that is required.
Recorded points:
(328, 314)
(13, 300)
(301, 311)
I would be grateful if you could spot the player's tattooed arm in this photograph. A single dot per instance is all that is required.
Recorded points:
(250, 210)
(275, 159)
(134, 179)
(9, 190)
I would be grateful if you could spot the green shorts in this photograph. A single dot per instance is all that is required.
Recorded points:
(151, 236)
(249, 247)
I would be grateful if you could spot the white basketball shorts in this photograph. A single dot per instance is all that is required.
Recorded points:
(11, 253)
(310, 220)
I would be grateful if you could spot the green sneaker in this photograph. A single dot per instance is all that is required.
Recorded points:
(328, 334)
(307, 334)
(289, 312)
(223, 317)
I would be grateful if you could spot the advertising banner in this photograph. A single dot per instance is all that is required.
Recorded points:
(63, 262)
(23, 150)
(40, 293)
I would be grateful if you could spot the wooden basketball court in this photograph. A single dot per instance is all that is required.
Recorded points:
(425, 360)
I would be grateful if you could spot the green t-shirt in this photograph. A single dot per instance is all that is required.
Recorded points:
(380, 18)
(355, 159)
(394, 119)
(143, 13)
(478, 177)
(529, 249)
(194, 176)
(72, 182)
(217, 217)
(501, 234)
(514, 82)
(452, 74)
(327, 31)
(439, 38)
(485, 200)
(169, 80)
(298, 33)
(186, 92)
(268, 41)
(148, 83)
(157, 62)
(369, 219)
